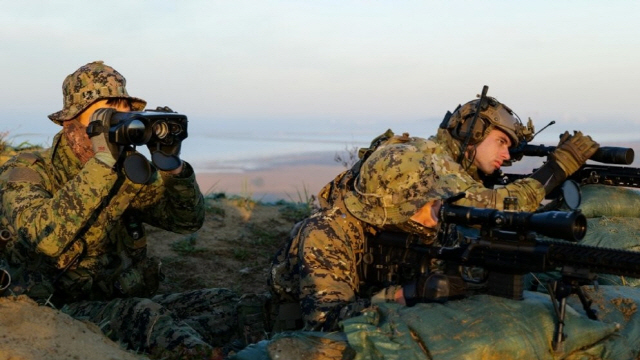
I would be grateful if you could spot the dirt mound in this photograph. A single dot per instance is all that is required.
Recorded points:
(32, 332)
(232, 250)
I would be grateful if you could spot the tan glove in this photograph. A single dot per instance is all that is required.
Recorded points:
(573, 151)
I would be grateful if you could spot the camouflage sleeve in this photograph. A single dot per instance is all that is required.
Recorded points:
(180, 208)
(50, 221)
(529, 192)
(328, 277)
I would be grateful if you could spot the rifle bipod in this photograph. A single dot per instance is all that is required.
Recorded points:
(559, 290)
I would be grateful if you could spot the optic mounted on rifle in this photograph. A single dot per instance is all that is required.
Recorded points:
(570, 226)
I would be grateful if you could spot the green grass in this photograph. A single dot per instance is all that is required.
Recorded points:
(187, 245)
(241, 254)
(300, 207)
(265, 236)
(214, 210)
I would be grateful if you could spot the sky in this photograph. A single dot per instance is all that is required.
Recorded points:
(352, 65)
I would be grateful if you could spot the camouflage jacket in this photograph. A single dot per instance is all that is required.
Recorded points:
(320, 266)
(77, 230)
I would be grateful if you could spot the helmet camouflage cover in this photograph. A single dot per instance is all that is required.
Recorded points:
(393, 184)
(90, 83)
(494, 114)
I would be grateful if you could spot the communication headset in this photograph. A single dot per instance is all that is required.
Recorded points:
(463, 130)
(463, 127)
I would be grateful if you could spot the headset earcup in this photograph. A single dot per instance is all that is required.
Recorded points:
(462, 130)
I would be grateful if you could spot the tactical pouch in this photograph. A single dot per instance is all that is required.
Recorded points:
(285, 317)
(141, 280)
(253, 317)
(75, 283)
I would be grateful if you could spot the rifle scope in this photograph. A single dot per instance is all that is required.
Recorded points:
(570, 226)
(604, 154)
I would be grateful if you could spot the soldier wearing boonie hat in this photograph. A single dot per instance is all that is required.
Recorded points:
(90, 83)
(393, 184)
(78, 234)
(315, 278)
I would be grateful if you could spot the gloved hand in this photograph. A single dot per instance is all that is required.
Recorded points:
(98, 131)
(570, 154)
(166, 158)
(573, 151)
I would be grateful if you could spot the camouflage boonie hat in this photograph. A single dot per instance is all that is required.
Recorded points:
(90, 83)
(394, 183)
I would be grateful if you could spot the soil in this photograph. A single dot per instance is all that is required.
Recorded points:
(232, 250)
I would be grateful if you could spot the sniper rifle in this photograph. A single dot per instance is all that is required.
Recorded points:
(506, 250)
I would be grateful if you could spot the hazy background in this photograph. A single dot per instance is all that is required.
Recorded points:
(265, 81)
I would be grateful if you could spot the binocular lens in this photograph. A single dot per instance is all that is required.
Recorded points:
(160, 129)
(136, 132)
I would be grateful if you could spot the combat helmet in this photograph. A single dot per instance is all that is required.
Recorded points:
(393, 184)
(492, 114)
(90, 83)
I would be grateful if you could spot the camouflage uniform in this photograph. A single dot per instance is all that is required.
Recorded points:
(321, 254)
(78, 237)
(319, 267)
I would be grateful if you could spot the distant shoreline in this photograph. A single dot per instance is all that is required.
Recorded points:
(286, 182)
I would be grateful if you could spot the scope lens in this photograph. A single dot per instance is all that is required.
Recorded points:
(160, 129)
(136, 132)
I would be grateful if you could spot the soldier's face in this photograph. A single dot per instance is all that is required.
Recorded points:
(492, 151)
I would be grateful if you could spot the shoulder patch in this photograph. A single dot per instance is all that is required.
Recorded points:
(21, 174)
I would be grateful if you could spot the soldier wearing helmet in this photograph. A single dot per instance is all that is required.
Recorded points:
(78, 238)
(317, 278)
(477, 137)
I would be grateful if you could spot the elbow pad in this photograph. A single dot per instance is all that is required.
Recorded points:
(550, 175)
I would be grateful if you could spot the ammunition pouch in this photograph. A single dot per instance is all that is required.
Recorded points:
(286, 317)
(140, 280)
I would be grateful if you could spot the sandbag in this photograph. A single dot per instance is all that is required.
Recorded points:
(603, 200)
(300, 345)
(614, 305)
(479, 327)
(615, 233)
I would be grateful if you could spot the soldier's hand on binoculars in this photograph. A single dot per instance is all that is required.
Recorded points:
(573, 151)
(98, 131)
(166, 157)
